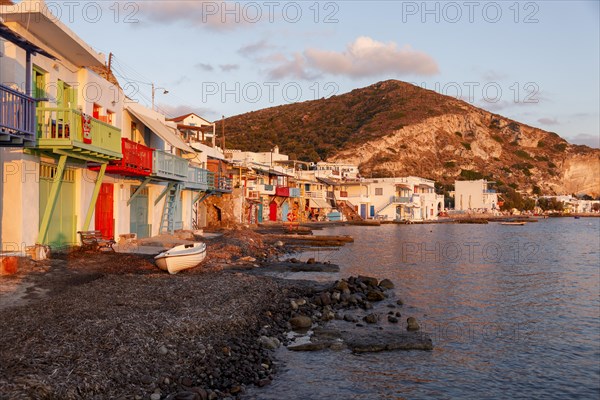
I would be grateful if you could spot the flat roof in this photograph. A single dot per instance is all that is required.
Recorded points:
(35, 19)
(14, 37)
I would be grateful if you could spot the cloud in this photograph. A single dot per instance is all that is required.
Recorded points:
(175, 111)
(295, 67)
(229, 67)
(586, 139)
(254, 48)
(199, 13)
(365, 57)
(204, 67)
(548, 121)
(180, 80)
(492, 76)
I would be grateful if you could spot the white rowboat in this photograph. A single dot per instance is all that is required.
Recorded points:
(181, 257)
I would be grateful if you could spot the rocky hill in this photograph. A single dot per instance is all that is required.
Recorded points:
(393, 128)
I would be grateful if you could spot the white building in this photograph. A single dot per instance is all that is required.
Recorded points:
(409, 198)
(335, 170)
(475, 196)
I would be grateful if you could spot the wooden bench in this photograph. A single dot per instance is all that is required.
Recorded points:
(93, 240)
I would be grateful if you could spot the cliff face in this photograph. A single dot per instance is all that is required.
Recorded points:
(393, 128)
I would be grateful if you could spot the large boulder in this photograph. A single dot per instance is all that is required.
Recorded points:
(300, 322)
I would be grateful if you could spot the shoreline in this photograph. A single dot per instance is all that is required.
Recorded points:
(113, 325)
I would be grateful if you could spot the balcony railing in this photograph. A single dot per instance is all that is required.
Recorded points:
(78, 134)
(169, 166)
(136, 161)
(198, 178)
(222, 183)
(266, 189)
(282, 191)
(294, 192)
(400, 199)
(319, 194)
(17, 118)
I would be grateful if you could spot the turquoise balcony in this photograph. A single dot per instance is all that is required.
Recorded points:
(168, 166)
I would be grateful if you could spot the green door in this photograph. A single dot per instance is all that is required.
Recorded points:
(62, 226)
(138, 214)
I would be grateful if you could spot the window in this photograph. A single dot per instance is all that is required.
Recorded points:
(378, 191)
(39, 82)
(97, 110)
(66, 95)
(135, 133)
(110, 117)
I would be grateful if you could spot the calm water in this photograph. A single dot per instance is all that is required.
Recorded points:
(514, 312)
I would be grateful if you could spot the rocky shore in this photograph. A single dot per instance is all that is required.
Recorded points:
(114, 326)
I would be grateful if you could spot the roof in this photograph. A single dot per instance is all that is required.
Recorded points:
(160, 129)
(202, 128)
(209, 151)
(49, 30)
(269, 171)
(14, 37)
(182, 117)
(318, 203)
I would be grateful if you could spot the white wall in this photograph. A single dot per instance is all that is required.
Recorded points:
(20, 199)
(471, 195)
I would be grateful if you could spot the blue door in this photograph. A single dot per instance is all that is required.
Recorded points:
(363, 211)
(138, 214)
(372, 213)
(285, 208)
(259, 218)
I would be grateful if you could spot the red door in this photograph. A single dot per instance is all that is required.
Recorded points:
(104, 211)
(273, 211)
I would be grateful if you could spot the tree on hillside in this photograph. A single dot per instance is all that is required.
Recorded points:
(513, 199)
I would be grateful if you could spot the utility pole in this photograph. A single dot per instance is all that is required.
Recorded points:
(223, 131)
(108, 69)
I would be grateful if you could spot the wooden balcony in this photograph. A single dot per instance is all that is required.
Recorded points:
(69, 132)
(266, 189)
(222, 184)
(168, 166)
(198, 178)
(136, 161)
(17, 118)
(282, 191)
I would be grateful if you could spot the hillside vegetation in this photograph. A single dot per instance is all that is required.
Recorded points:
(393, 128)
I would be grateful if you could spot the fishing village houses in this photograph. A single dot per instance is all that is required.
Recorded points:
(78, 155)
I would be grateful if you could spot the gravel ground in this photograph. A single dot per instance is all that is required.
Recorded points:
(98, 326)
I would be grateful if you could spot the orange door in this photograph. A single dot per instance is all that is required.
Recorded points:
(104, 211)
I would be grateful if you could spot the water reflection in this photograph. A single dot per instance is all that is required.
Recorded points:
(513, 312)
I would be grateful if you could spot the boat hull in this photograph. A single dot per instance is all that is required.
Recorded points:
(180, 258)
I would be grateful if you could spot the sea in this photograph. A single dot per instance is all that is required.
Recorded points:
(513, 312)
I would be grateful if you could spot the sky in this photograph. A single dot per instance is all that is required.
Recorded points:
(537, 62)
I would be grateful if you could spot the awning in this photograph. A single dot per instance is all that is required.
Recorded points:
(425, 185)
(318, 203)
(163, 131)
(402, 185)
(270, 171)
(209, 151)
